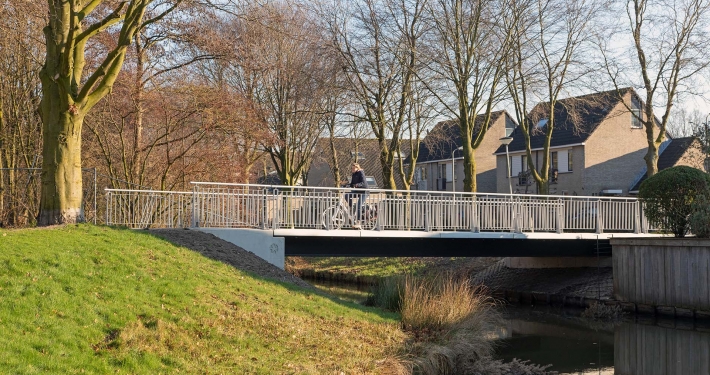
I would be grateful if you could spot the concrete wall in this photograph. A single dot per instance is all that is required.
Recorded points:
(260, 242)
(663, 272)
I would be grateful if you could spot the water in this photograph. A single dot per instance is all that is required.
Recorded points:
(635, 346)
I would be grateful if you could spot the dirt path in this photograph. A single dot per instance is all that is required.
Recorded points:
(226, 252)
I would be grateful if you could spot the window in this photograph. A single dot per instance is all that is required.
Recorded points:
(423, 173)
(357, 155)
(569, 161)
(553, 161)
(509, 128)
(524, 163)
(636, 114)
(541, 124)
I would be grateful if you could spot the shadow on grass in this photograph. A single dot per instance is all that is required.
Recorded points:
(217, 249)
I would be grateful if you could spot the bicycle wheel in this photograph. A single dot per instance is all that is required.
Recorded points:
(337, 217)
(369, 217)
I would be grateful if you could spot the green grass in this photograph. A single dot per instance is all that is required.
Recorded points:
(87, 299)
(368, 267)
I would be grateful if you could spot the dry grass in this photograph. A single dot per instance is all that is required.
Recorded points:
(447, 318)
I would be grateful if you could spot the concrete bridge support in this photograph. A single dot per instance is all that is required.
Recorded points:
(260, 242)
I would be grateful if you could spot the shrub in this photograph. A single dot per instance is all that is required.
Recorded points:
(669, 194)
(700, 217)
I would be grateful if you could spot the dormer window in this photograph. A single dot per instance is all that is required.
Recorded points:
(357, 155)
(509, 128)
(636, 114)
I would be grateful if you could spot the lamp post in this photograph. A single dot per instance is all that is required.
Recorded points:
(453, 169)
(506, 141)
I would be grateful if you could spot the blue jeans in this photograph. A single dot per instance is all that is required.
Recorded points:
(358, 198)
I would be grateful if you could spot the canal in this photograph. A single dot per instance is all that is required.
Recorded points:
(572, 345)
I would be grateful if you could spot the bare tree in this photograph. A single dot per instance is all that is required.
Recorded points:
(152, 72)
(545, 59)
(669, 40)
(467, 48)
(378, 43)
(20, 125)
(279, 62)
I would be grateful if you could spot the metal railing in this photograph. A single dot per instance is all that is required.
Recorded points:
(300, 207)
(149, 208)
(222, 205)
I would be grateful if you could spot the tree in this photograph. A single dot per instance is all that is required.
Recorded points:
(467, 48)
(669, 41)
(378, 43)
(280, 64)
(68, 96)
(20, 129)
(146, 110)
(545, 58)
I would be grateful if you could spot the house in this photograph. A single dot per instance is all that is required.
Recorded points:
(686, 151)
(597, 147)
(364, 151)
(439, 155)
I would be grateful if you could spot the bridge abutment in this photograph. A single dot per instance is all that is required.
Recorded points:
(260, 242)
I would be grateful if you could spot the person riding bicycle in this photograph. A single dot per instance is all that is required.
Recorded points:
(357, 180)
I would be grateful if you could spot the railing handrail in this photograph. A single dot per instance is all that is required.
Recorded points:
(147, 191)
(457, 193)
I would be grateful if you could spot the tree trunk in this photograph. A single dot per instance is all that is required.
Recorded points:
(386, 161)
(61, 197)
(651, 159)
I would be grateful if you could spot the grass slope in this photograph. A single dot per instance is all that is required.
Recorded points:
(99, 300)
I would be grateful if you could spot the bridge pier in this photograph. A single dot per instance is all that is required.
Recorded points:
(260, 242)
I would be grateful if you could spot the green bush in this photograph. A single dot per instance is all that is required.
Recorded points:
(668, 197)
(700, 217)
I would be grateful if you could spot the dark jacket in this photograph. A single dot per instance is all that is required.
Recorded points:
(358, 180)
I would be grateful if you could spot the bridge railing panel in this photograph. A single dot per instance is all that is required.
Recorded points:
(148, 209)
(262, 206)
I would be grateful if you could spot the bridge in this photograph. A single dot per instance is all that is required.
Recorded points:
(276, 221)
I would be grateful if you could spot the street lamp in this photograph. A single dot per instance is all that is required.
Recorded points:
(506, 141)
(453, 169)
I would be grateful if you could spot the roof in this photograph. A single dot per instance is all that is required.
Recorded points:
(446, 137)
(669, 157)
(576, 119)
(321, 171)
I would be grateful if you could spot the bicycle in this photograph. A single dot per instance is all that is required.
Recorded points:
(342, 213)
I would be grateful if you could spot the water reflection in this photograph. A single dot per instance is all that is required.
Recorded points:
(567, 343)
(654, 350)
(576, 346)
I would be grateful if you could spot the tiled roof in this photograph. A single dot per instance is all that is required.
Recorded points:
(575, 120)
(321, 171)
(445, 137)
(670, 156)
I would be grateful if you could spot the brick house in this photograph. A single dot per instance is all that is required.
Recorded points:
(364, 151)
(434, 163)
(597, 147)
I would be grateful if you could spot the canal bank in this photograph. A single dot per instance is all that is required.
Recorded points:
(560, 337)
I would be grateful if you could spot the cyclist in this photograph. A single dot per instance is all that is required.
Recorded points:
(357, 180)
